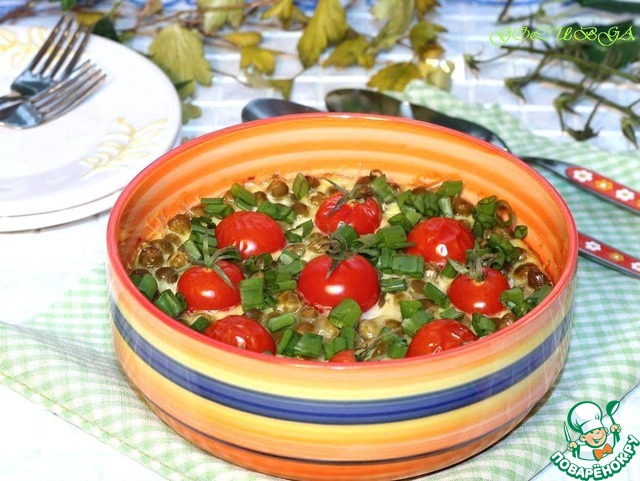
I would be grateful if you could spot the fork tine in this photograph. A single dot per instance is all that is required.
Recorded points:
(86, 31)
(69, 49)
(47, 43)
(40, 100)
(77, 97)
(57, 47)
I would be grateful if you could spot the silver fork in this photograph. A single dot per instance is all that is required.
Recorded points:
(54, 102)
(62, 48)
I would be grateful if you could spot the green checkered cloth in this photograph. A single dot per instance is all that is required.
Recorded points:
(63, 358)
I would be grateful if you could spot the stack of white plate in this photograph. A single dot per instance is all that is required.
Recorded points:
(76, 165)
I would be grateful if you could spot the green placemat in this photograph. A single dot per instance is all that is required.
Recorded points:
(63, 358)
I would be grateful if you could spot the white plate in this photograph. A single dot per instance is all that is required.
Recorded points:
(97, 148)
(48, 219)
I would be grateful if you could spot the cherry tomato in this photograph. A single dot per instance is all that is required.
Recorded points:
(354, 278)
(242, 332)
(439, 238)
(363, 215)
(253, 233)
(481, 296)
(204, 289)
(344, 356)
(439, 335)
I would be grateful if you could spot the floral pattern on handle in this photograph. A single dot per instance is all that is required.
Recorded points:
(606, 187)
(609, 255)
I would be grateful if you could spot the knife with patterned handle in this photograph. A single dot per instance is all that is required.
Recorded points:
(593, 182)
(608, 255)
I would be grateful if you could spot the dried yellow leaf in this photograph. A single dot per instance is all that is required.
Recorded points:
(327, 26)
(425, 6)
(353, 51)
(244, 39)
(424, 33)
(395, 76)
(285, 11)
(257, 80)
(401, 16)
(178, 52)
(218, 13)
(260, 59)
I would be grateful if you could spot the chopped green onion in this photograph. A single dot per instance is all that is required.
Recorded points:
(216, 207)
(449, 188)
(279, 280)
(426, 203)
(191, 249)
(346, 232)
(345, 314)
(243, 198)
(484, 215)
(450, 313)
(200, 324)
(287, 256)
(449, 270)
(404, 198)
(269, 300)
(393, 284)
(300, 186)
(385, 260)
(512, 297)
(287, 341)
(502, 244)
(334, 346)
(365, 242)
(305, 229)
(281, 322)
(309, 345)
(520, 231)
(201, 234)
(393, 237)
(503, 207)
(409, 308)
(261, 262)
(277, 211)
(412, 266)
(294, 268)
(171, 304)
(349, 334)
(486, 206)
(539, 294)
(146, 284)
(251, 293)
(482, 325)
(434, 294)
(514, 300)
(406, 219)
(382, 189)
(411, 324)
(445, 206)
(366, 245)
(397, 349)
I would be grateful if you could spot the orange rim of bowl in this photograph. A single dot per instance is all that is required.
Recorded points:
(119, 271)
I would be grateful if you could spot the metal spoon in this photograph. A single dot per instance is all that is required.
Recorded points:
(369, 101)
(612, 407)
(589, 247)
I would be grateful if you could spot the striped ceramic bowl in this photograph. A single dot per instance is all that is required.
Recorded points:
(313, 420)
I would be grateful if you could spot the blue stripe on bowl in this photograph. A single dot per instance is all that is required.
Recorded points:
(338, 412)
